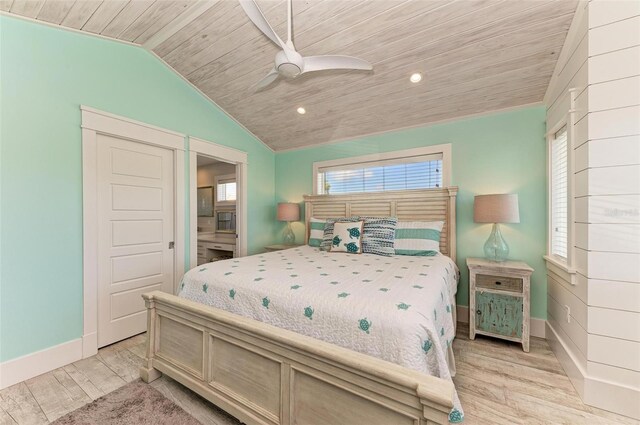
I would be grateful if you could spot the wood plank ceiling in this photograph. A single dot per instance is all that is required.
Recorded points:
(475, 56)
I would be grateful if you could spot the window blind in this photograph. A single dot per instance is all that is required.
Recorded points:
(226, 191)
(417, 172)
(559, 194)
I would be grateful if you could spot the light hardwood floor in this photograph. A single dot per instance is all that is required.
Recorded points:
(497, 382)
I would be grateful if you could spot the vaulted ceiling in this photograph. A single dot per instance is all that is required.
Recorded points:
(475, 56)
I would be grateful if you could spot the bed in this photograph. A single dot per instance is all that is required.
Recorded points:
(309, 337)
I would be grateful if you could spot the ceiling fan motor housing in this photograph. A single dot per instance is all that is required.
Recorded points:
(289, 64)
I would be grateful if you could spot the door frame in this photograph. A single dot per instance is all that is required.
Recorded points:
(95, 122)
(226, 154)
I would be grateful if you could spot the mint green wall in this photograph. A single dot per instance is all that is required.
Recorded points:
(499, 153)
(46, 74)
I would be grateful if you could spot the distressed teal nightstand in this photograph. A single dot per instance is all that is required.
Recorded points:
(499, 296)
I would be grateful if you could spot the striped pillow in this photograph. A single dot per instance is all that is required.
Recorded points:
(327, 237)
(418, 238)
(378, 235)
(316, 231)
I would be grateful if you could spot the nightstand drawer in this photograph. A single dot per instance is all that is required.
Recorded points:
(499, 283)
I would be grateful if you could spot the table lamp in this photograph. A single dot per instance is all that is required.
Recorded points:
(496, 209)
(288, 211)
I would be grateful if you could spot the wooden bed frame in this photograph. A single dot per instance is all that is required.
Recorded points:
(265, 375)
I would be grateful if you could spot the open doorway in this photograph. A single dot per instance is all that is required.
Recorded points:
(216, 211)
(218, 199)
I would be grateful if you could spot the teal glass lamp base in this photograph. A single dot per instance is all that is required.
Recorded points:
(288, 237)
(495, 248)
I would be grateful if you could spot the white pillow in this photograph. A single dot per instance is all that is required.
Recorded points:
(328, 230)
(347, 237)
(418, 237)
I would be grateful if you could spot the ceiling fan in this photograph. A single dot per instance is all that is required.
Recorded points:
(288, 62)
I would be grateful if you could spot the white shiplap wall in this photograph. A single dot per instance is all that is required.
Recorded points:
(610, 239)
(594, 314)
(567, 294)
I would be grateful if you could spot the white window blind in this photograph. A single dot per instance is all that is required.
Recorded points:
(226, 191)
(417, 172)
(559, 201)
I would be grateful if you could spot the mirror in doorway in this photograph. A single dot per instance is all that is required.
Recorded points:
(205, 201)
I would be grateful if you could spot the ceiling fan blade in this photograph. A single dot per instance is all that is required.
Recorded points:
(322, 63)
(267, 80)
(257, 17)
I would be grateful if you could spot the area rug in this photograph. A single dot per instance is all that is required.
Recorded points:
(136, 403)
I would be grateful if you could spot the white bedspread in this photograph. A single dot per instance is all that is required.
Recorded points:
(396, 308)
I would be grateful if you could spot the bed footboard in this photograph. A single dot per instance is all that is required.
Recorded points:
(269, 376)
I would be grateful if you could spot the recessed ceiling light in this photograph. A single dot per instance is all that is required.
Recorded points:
(416, 78)
(302, 111)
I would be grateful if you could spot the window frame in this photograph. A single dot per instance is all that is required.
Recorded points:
(224, 179)
(442, 149)
(568, 263)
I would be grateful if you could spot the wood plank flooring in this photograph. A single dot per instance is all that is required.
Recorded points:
(497, 382)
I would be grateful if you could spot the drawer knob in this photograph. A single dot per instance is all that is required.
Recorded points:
(478, 312)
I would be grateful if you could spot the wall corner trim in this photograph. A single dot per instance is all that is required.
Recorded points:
(26, 367)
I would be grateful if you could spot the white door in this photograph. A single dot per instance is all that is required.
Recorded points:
(135, 233)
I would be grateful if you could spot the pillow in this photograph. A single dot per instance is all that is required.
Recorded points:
(418, 237)
(328, 230)
(378, 235)
(347, 237)
(316, 231)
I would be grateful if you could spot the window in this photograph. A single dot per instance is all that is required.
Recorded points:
(226, 188)
(559, 194)
(226, 192)
(401, 170)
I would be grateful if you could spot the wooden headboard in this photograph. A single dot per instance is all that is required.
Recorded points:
(407, 205)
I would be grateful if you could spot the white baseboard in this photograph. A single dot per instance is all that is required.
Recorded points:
(34, 364)
(572, 366)
(89, 345)
(537, 325)
(611, 396)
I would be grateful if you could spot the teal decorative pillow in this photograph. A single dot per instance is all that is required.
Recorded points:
(347, 237)
(316, 231)
(418, 237)
(328, 230)
(378, 235)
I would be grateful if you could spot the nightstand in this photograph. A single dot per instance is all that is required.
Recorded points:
(499, 296)
(278, 247)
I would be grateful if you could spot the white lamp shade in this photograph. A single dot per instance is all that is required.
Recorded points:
(288, 211)
(502, 208)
